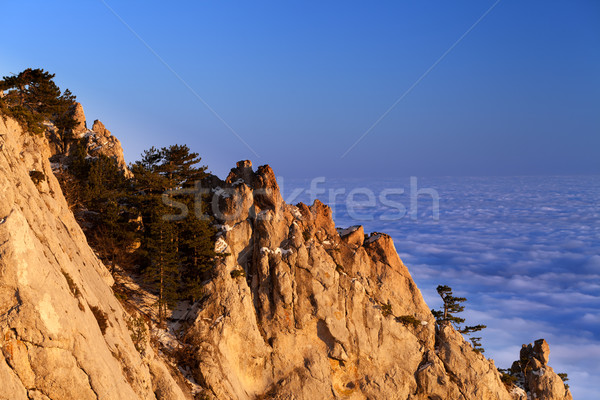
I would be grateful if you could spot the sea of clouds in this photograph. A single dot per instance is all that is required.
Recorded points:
(524, 251)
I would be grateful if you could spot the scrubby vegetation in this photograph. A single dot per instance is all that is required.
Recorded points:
(238, 273)
(72, 286)
(386, 309)
(101, 318)
(408, 320)
(138, 332)
(37, 176)
(507, 378)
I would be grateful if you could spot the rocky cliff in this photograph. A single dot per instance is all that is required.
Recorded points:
(301, 310)
(97, 141)
(535, 376)
(63, 334)
(295, 308)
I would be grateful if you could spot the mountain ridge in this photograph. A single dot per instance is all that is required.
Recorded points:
(294, 309)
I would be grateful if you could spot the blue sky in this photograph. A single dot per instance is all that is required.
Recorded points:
(300, 82)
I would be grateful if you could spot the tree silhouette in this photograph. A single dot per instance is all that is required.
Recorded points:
(452, 305)
(447, 315)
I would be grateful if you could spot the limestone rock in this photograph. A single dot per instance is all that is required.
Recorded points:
(307, 320)
(241, 173)
(353, 236)
(536, 376)
(79, 116)
(101, 142)
(63, 333)
(98, 141)
(541, 351)
(294, 309)
(479, 377)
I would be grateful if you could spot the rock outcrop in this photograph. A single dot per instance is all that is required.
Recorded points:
(101, 142)
(63, 334)
(536, 377)
(79, 116)
(300, 310)
(97, 141)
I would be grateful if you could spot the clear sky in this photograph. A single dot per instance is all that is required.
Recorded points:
(301, 81)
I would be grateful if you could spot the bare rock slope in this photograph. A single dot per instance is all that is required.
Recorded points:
(63, 334)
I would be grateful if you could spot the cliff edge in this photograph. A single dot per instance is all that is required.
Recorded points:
(294, 309)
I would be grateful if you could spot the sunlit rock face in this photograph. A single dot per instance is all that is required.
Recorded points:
(300, 310)
(63, 334)
(536, 377)
(295, 308)
(97, 141)
(101, 142)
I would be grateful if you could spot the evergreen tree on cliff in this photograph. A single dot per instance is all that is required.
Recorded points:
(452, 306)
(195, 236)
(158, 234)
(106, 191)
(32, 97)
(179, 246)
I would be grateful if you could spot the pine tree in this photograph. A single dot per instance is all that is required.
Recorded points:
(163, 271)
(106, 193)
(32, 97)
(180, 166)
(452, 305)
(197, 250)
(476, 343)
(195, 237)
(158, 235)
(179, 251)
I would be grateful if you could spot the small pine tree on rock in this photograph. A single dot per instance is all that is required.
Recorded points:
(447, 315)
(476, 343)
